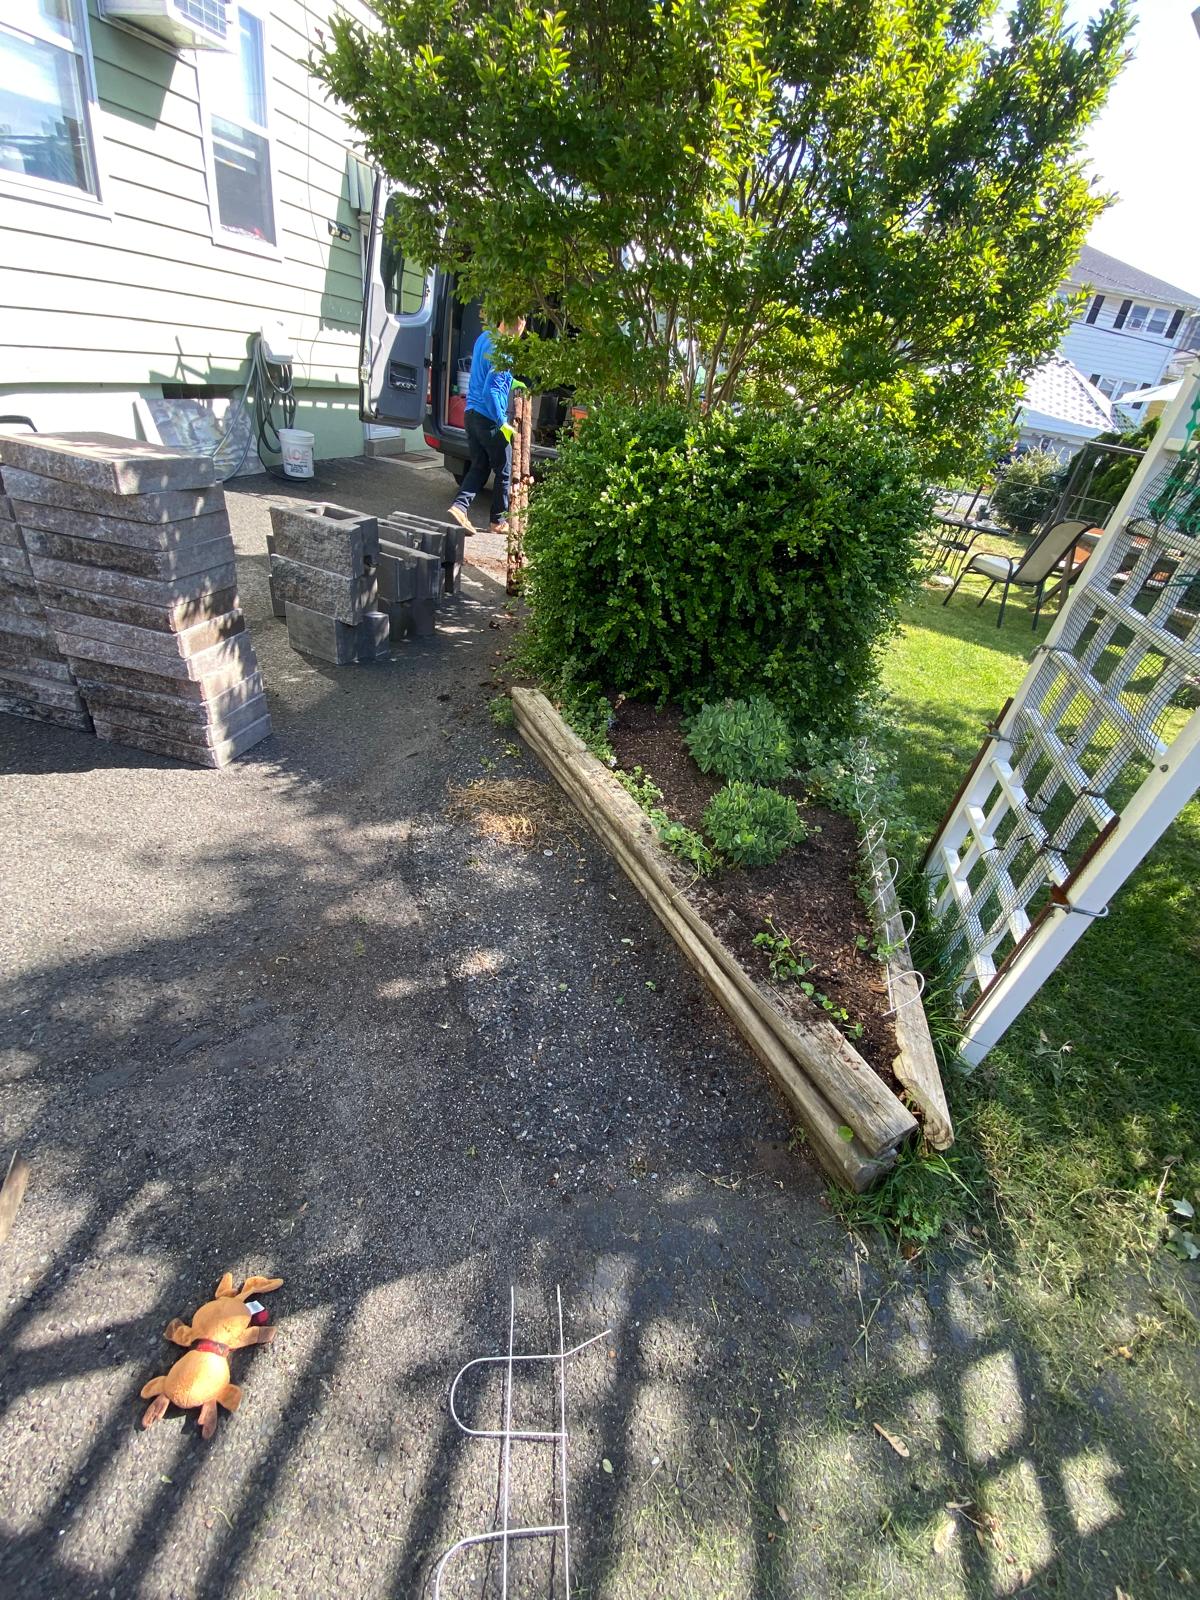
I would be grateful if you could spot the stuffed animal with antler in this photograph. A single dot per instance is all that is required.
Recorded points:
(201, 1378)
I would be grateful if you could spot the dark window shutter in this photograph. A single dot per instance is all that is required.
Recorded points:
(1173, 325)
(1126, 306)
(1094, 308)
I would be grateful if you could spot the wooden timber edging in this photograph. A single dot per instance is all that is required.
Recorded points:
(915, 1064)
(832, 1090)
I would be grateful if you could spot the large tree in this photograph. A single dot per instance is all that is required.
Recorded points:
(721, 198)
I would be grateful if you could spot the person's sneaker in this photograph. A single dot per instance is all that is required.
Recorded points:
(498, 527)
(457, 514)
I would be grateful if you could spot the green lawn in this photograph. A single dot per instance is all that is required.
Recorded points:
(1091, 1103)
(1097, 1081)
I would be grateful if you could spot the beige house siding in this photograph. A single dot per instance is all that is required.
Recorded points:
(102, 303)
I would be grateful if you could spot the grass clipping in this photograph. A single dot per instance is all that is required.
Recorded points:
(512, 811)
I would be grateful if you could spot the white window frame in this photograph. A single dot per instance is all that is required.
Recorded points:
(44, 190)
(1158, 311)
(225, 238)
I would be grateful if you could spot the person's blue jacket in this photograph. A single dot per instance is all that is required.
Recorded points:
(490, 386)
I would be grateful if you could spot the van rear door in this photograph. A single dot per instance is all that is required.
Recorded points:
(396, 337)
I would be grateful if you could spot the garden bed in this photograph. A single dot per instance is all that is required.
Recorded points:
(810, 894)
(855, 1120)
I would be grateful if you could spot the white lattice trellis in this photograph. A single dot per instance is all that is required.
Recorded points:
(1093, 756)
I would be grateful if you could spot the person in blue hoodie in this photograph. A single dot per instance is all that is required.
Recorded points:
(487, 417)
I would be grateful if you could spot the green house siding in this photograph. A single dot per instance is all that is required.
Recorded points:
(134, 293)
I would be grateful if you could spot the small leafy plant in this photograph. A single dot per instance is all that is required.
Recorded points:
(747, 739)
(789, 965)
(786, 962)
(752, 826)
(685, 843)
(500, 707)
(680, 840)
(590, 716)
(641, 786)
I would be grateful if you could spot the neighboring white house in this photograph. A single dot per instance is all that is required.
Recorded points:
(1128, 324)
(1061, 410)
(159, 203)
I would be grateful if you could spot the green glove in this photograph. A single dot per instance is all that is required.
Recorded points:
(507, 430)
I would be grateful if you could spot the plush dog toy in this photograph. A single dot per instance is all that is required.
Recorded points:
(201, 1378)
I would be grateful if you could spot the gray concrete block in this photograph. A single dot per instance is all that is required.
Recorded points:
(412, 520)
(23, 583)
(168, 506)
(394, 531)
(397, 613)
(10, 533)
(185, 560)
(16, 602)
(122, 530)
(13, 558)
(218, 677)
(236, 655)
(397, 577)
(208, 730)
(167, 592)
(218, 755)
(71, 626)
(324, 535)
(424, 581)
(315, 633)
(452, 562)
(433, 543)
(316, 589)
(174, 618)
(106, 461)
(374, 633)
(17, 624)
(19, 705)
(31, 663)
(43, 691)
(113, 700)
(278, 603)
(422, 618)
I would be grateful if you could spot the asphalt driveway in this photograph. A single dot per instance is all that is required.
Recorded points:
(293, 1018)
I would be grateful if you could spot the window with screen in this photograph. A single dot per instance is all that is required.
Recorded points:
(236, 94)
(45, 128)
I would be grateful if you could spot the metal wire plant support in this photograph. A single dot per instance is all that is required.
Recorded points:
(884, 870)
(506, 1435)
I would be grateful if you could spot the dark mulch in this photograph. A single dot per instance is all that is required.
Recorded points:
(810, 894)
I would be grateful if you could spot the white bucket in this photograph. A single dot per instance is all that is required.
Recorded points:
(297, 447)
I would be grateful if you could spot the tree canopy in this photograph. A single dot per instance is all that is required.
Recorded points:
(725, 199)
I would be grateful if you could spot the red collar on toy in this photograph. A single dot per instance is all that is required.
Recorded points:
(212, 1347)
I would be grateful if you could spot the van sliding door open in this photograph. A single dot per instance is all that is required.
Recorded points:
(397, 327)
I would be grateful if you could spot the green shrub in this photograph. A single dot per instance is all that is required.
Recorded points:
(1026, 490)
(687, 558)
(752, 826)
(742, 739)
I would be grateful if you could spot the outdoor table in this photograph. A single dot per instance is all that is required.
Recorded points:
(963, 526)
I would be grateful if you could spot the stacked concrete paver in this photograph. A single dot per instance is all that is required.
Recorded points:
(35, 677)
(129, 547)
(323, 581)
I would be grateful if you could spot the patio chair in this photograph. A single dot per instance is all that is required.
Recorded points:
(1034, 570)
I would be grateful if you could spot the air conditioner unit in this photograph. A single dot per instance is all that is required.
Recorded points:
(187, 24)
